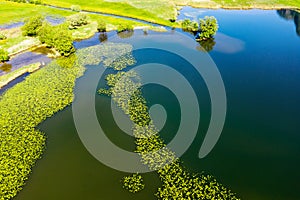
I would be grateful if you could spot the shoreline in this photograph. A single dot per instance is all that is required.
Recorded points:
(252, 7)
(7, 78)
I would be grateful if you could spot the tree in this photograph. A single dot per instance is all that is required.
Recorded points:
(32, 25)
(188, 25)
(76, 8)
(77, 20)
(208, 27)
(3, 55)
(45, 34)
(101, 27)
(124, 27)
(58, 37)
(2, 36)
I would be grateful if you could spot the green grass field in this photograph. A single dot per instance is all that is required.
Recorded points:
(152, 12)
(14, 12)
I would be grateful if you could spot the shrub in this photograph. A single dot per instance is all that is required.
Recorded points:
(2, 36)
(124, 27)
(76, 8)
(101, 27)
(3, 55)
(77, 20)
(208, 27)
(188, 25)
(45, 34)
(32, 25)
(35, 2)
(58, 37)
(18, 1)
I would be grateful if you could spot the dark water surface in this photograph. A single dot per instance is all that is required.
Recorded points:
(258, 154)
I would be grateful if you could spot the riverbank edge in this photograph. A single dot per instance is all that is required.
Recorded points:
(243, 7)
(7, 78)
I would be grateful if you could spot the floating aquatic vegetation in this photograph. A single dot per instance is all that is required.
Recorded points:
(178, 183)
(133, 183)
(30, 102)
(23, 107)
(123, 61)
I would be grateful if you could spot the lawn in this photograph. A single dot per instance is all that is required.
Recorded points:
(15, 12)
(151, 12)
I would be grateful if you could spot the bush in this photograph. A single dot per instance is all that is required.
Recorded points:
(124, 27)
(45, 34)
(2, 36)
(58, 37)
(101, 27)
(32, 25)
(76, 8)
(208, 28)
(35, 2)
(27, 1)
(188, 25)
(77, 20)
(18, 1)
(3, 55)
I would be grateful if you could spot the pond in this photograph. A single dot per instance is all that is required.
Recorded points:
(258, 153)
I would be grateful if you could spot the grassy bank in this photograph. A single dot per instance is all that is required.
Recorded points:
(7, 78)
(147, 11)
(163, 10)
(15, 12)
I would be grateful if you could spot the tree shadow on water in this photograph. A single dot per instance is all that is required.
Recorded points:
(125, 34)
(103, 37)
(5, 67)
(291, 15)
(206, 45)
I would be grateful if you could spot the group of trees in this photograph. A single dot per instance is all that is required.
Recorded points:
(204, 30)
(124, 27)
(77, 20)
(58, 37)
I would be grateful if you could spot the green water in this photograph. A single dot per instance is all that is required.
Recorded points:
(258, 154)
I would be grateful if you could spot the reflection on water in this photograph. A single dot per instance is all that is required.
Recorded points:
(55, 20)
(23, 59)
(291, 15)
(5, 67)
(207, 45)
(103, 37)
(126, 34)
